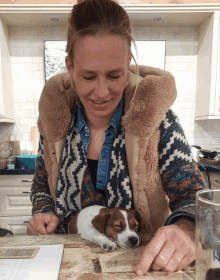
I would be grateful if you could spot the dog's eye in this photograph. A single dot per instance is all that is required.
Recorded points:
(118, 227)
(136, 225)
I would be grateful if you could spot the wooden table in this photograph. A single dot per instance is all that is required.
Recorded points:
(83, 260)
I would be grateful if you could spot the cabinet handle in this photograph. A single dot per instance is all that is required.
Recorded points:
(26, 180)
(26, 222)
(26, 192)
(217, 181)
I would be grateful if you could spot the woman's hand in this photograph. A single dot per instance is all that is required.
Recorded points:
(171, 249)
(42, 224)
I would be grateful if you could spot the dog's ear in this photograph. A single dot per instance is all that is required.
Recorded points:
(72, 228)
(99, 221)
(138, 218)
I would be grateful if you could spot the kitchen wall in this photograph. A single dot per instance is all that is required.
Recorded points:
(27, 62)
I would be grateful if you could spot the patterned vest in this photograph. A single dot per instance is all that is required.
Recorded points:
(75, 189)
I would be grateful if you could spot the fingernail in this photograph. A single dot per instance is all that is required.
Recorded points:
(140, 273)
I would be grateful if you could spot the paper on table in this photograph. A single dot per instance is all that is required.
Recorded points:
(45, 265)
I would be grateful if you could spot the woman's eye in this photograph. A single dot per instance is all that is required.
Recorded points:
(112, 77)
(88, 78)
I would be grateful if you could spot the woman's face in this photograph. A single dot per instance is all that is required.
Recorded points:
(100, 73)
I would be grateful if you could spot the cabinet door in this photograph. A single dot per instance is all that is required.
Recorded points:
(208, 66)
(15, 201)
(218, 79)
(16, 180)
(1, 90)
(18, 225)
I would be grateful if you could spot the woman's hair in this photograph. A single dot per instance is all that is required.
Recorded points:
(97, 18)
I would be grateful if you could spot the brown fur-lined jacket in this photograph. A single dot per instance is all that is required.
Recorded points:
(144, 113)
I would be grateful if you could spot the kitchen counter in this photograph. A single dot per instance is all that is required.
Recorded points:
(209, 167)
(83, 260)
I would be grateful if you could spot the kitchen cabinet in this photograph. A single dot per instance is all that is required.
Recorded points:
(6, 95)
(207, 104)
(15, 203)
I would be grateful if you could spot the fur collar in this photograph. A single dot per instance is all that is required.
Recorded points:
(144, 111)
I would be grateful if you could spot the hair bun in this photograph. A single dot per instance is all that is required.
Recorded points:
(80, 1)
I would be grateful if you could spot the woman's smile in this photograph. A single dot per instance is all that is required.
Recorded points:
(99, 102)
(100, 105)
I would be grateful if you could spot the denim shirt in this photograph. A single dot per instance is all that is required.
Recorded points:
(110, 133)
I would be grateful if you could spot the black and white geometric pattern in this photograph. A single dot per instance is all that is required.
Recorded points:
(40, 193)
(73, 164)
(119, 189)
(71, 171)
(174, 150)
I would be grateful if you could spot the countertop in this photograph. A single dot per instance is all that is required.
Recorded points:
(83, 260)
(209, 167)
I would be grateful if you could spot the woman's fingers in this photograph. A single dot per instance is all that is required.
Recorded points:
(165, 257)
(174, 262)
(41, 227)
(185, 262)
(31, 231)
(172, 248)
(42, 223)
(52, 221)
(151, 252)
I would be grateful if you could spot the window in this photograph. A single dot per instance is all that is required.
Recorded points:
(150, 53)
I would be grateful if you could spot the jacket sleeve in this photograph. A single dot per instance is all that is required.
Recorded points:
(41, 198)
(179, 172)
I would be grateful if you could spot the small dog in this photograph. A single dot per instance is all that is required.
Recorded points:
(107, 227)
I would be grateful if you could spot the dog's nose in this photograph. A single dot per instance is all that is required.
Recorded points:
(133, 240)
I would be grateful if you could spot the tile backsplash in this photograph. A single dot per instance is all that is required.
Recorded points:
(27, 64)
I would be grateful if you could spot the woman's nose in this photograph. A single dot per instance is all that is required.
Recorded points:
(102, 89)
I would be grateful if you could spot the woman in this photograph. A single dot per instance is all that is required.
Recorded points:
(108, 137)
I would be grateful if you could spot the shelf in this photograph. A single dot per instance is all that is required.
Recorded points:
(170, 14)
(206, 118)
(6, 120)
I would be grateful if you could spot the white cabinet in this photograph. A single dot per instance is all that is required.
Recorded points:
(208, 69)
(1, 89)
(15, 203)
(6, 95)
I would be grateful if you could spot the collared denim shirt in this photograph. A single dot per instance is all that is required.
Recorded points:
(110, 133)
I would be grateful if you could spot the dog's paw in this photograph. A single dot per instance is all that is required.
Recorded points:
(109, 247)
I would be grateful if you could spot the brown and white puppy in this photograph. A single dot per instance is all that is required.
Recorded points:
(107, 227)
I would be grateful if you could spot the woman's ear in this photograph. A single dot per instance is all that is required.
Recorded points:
(129, 59)
(68, 64)
(99, 221)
